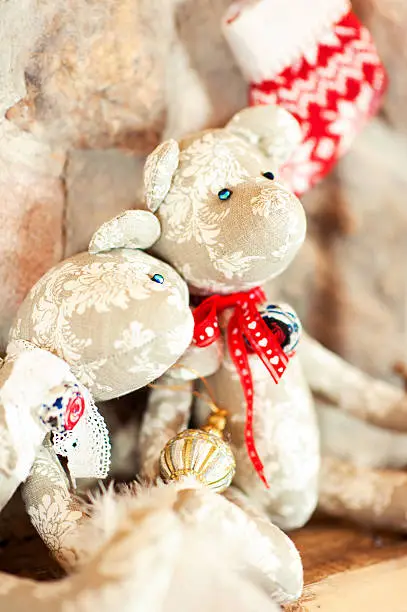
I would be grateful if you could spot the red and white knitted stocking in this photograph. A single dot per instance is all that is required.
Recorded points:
(314, 58)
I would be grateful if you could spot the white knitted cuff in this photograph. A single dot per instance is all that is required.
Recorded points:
(267, 36)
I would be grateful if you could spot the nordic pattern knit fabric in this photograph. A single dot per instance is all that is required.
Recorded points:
(332, 88)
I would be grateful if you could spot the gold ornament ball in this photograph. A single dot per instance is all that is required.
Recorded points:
(199, 454)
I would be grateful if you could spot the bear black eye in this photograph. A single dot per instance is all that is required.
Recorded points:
(224, 194)
(268, 175)
(158, 278)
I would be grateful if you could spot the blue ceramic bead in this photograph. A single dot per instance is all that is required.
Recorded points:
(224, 194)
(288, 322)
(158, 278)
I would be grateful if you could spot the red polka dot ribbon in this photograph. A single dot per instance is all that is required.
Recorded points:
(246, 322)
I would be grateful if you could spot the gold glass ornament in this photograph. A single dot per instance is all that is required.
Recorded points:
(201, 454)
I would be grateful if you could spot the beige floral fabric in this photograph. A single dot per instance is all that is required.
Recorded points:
(158, 172)
(362, 423)
(229, 225)
(351, 390)
(377, 498)
(285, 429)
(350, 439)
(286, 437)
(168, 413)
(114, 319)
(53, 510)
(170, 401)
(105, 316)
(235, 243)
(133, 229)
(274, 130)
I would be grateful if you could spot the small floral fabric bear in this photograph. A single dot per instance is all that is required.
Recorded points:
(115, 314)
(98, 325)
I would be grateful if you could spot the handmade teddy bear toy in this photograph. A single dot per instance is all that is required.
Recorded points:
(98, 325)
(228, 226)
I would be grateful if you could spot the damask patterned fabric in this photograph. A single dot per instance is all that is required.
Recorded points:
(109, 321)
(105, 316)
(362, 423)
(237, 241)
(170, 401)
(228, 244)
(371, 497)
(133, 229)
(156, 181)
(286, 437)
(234, 244)
(285, 428)
(53, 510)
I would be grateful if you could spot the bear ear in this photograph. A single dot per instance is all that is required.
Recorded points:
(271, 128)
(133, 229)
(158, 172)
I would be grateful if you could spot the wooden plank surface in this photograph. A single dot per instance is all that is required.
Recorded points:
(349, 569)
(381, 587)
(346, 568)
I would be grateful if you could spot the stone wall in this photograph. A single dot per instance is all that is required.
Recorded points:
(88, 89)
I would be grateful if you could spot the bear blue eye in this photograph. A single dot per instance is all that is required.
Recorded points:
(224, 194)
(158, 278)
(268, 175)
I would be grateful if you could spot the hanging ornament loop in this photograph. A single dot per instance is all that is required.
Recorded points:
(209, 399)
(246, 323)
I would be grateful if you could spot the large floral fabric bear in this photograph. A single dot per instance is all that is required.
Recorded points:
(229, 226)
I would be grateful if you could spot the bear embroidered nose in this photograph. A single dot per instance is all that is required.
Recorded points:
(268, 175)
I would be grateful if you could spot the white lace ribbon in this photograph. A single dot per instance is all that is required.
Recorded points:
(267, 36)
(87, 446)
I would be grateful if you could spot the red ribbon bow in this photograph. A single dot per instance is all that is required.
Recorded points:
(246, 322)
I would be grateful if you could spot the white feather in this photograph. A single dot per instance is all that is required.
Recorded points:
(199, 564)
